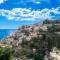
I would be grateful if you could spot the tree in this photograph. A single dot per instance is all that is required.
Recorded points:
(27, 32)
(45, 21)
(5, 53)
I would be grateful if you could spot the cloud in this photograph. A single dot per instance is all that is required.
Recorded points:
(2, 1)
(47, 1)
(33, 1)
(37, 2)
(20, 14)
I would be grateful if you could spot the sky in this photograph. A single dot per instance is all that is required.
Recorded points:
(15, 13)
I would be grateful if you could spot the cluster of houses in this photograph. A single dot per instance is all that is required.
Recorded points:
(16, 37)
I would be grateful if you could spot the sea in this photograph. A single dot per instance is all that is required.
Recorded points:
(5, 32)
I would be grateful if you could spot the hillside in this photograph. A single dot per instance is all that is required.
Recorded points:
(36, 42)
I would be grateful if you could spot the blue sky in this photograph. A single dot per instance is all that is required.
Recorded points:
(15, 13)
